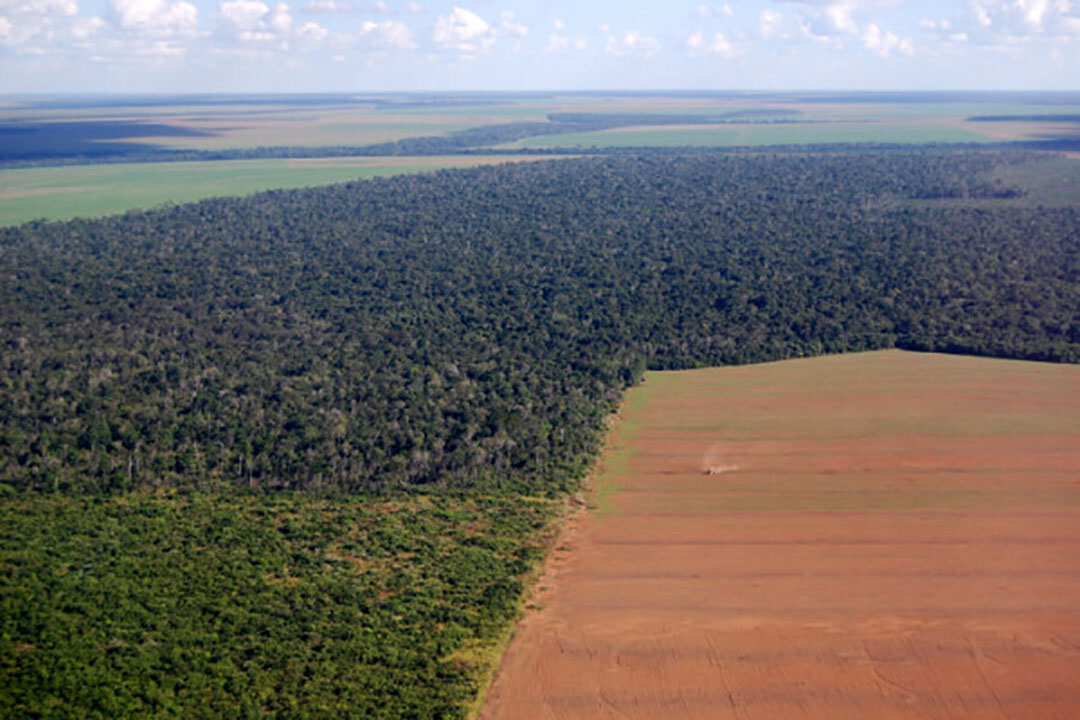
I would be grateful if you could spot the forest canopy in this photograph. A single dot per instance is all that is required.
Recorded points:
(472, 328)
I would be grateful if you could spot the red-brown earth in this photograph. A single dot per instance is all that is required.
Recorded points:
(886, 535)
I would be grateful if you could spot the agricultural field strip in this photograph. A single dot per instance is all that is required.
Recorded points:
(61, 193)
(796, 612)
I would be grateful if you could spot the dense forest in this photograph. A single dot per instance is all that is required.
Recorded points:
(290, 455)
(472, 328)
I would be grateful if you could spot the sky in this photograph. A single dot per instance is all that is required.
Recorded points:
(177, 46)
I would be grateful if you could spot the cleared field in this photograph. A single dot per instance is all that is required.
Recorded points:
(61, 193)
(778, 134)
(883, 535)
(221, 127)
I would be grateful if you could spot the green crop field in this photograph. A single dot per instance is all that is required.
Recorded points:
(60, 193)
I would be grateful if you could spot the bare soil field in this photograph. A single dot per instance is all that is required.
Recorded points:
(1029, 130)
(882, 535)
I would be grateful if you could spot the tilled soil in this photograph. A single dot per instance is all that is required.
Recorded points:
(884, 535)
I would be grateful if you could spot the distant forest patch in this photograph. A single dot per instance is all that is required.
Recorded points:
(1026, 118)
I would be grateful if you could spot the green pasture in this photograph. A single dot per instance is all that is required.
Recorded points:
(60, 193)
(755, 135)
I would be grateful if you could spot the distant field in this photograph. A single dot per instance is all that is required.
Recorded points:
(880, 535)
(36, 128)
(218, 128)
(241, 122)
(309, 132)
(765, 134)
(60, 193)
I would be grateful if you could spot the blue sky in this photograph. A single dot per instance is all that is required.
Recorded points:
(371, 45)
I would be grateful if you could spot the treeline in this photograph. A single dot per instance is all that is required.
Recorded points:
(472, 328)
(434, 146)
(1053, 117)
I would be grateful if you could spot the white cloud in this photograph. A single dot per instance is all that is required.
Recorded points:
(380, 6)
(840, 17)
(509, 26)
(982, 14)
(558, 24)
(561, 43)
(1034, 11)
(1003, 24)
(705, 11)
(463, 31)
(632, 43)
(959, 37)
(883, 42)
(720, 45)
(389, 33)
(85, 28)
(156, 17)
(253, 21)
(23, 22)
(770, 24)
(318, 6)
(281, 19)
(557, 43)
(414, 7)
(243, 14)
(40, 7)
(312, 33)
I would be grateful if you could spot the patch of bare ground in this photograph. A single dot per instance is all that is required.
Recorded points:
(1019, 130)
(15, 193)
(884, 535)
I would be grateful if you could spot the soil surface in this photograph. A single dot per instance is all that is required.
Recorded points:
(882, 535)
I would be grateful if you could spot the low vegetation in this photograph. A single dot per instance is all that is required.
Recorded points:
(194, 606)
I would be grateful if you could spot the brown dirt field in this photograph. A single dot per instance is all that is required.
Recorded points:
(14, 193)
(1029, 130)
(891, 535)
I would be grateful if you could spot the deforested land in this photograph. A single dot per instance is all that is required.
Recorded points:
(881, 534)
(299, 452)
